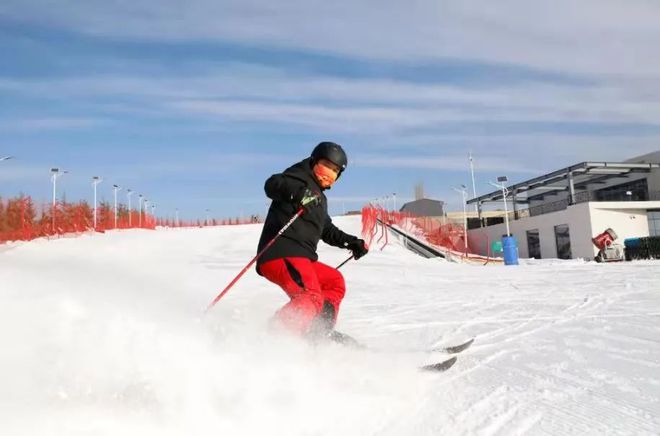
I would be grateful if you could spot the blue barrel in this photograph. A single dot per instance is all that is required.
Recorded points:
(510, 249)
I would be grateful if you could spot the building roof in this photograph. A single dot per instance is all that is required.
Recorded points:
(424, 207)
(583, 175)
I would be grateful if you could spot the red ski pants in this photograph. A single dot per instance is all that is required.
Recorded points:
(312, 286)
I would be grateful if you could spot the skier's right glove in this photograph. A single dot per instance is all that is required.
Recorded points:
(307, 199)
(358, 247)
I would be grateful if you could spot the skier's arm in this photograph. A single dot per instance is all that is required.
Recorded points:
(333, 236)
(282, 187)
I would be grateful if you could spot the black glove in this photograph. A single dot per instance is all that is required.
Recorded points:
(306, 198)
(358, 247)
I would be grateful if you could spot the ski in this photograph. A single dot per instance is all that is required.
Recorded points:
(454, 349)
(439, 366)
(444, 365)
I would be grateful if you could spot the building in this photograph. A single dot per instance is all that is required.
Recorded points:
(556, 215)
(424, 207)
(474, 221)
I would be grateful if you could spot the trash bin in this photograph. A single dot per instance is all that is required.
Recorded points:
(510, 249)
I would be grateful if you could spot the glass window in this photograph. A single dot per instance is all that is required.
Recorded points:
(533, 244)
(632, 191)
(654, 222)
(563, 238)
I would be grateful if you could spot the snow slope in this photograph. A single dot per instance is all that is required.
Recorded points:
(104, 334)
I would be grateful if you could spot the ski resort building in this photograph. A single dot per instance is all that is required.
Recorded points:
(424, 207)
(557, 214)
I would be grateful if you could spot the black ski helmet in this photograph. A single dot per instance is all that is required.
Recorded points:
(332, 152)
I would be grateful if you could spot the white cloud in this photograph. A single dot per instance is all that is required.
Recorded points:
(377, 113)
(612, 43)
(249, 93)
(597, 37)
(442, 162)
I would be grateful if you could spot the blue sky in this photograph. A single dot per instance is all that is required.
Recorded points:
(195, 106)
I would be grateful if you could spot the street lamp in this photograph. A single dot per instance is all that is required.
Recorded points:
(502, 180)
(394, 200)
(55, 173)
(464, 195)
(128, 195)
(146, 212)
(116, 188)
(140, 211)
(95, 181)
(474, 185)
(509, 244)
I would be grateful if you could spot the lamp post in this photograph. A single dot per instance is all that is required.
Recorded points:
(502, 180)
(146, 212)
(509, 243)
(95, 181)
(464, 195)
(55, 173)
(140, 211)
(474, 185)
(394, 200)
(116, 188)
(128, 195)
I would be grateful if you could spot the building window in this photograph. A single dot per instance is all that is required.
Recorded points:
(533, 244)
(563, 238)
(632, 191)
(654, 222)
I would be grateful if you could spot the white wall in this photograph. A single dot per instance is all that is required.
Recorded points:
(577, 218)
(627, 219)
(585, 220)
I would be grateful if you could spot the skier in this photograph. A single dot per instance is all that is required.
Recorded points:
(315, 289)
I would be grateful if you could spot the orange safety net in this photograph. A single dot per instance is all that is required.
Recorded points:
(446, 236)
(21, 220)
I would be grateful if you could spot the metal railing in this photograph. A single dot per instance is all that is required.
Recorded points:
(548, 207)
(580, 197)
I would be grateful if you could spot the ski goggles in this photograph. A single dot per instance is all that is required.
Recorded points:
(326, 176)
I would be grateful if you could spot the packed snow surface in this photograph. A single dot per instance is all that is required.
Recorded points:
(105, 334)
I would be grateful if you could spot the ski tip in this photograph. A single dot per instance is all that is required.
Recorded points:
(456, 348)
(459, 348)
(440, 366)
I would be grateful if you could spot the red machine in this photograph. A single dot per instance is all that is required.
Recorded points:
(608, 250)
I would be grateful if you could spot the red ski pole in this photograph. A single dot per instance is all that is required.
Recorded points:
(233, 282)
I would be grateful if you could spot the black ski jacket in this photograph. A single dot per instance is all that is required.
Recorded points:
(301, 239)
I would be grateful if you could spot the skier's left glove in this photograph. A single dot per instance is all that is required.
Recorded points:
(358, 247)
(307, 199)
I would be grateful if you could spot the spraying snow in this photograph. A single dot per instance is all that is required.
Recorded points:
(105, 334)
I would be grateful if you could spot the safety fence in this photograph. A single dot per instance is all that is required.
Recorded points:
(446, 237)
(22, 220)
